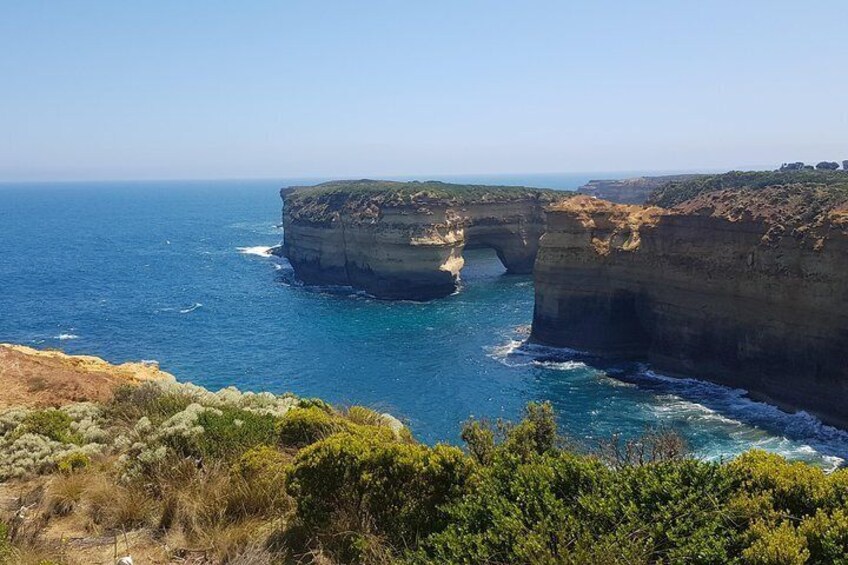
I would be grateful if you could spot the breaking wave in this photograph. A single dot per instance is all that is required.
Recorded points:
(66, 336)
(258, 250)
(746, 423)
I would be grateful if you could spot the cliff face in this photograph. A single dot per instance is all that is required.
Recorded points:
(635, 190)
(743, 287)
(405, 240)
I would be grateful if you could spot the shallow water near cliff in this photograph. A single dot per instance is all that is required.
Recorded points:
(178, 272)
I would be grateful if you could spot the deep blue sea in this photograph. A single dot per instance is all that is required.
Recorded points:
(174, 272)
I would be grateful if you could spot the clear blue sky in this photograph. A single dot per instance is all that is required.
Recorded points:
(207, 89)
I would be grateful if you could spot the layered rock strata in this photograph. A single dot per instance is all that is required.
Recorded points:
(745, 287)
(405, 240)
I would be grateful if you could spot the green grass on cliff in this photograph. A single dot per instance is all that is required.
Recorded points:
(830, 187)
(409, 192)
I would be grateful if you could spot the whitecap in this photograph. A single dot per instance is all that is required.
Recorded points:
(192, 308)
(258, 250)
(66, 336)
(560, 365)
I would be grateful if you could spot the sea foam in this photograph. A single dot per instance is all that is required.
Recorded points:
(747, 422)
(258, 250)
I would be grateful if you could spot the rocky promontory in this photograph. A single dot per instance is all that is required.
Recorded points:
(635, 190)
(404, 240)
(737, 278)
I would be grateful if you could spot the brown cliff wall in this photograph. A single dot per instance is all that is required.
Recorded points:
(405, 240)
(748, 289)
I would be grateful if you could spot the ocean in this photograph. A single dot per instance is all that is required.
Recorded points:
(177, 272)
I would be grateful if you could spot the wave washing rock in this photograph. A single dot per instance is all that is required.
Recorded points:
(741, 281)
(405, 240)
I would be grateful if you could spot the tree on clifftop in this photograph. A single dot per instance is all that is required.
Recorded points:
(827, 166)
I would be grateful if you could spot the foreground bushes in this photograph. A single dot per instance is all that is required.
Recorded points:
(257, 478)
(350, 487)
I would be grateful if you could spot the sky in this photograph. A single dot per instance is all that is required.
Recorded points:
(253, 89)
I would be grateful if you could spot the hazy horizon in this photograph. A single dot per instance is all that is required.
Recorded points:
(95, 90)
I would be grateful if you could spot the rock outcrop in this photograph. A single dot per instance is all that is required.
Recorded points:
(740, 281)
(635, 190)
(405, 240)
(40, 378)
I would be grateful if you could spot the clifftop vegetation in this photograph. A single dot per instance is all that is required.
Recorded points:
(171, 472)
(826, 188)
(361, 196)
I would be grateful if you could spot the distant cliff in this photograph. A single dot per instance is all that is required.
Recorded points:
(741, 279)
(405, 240)
(628, 191)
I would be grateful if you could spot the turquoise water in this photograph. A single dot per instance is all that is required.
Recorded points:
(173, 271)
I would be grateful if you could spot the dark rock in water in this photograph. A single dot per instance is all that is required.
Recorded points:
(742, 283)
(405, 240)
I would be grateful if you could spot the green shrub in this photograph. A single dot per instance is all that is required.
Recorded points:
(130, 403)
(536, 433)
(230, 432)
(304, 426)
(480, 439)
(781, 545)
(520, 511)
(50, 423)
(795, 488)
(258, 486)
(827, 537)
(73, 462)
(364, 416)
(350, 486)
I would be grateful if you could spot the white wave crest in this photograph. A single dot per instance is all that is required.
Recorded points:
(66, 336)
(191, 308)
(258, 250)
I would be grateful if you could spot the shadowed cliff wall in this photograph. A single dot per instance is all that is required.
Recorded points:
(730, 286)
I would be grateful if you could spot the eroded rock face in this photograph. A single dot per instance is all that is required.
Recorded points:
(405, 240)
(635, 190)
(748, 289)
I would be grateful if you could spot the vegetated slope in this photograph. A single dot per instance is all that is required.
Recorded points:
(174, 473)
(822, 189)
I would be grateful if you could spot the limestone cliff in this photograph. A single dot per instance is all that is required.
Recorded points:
(405, 240)
(741, 281)
(634, 190)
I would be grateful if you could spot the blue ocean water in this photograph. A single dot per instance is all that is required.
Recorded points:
(175, 272)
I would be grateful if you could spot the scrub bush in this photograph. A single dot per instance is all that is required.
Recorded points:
(349, 486)
(303, 426)
(50, 423)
